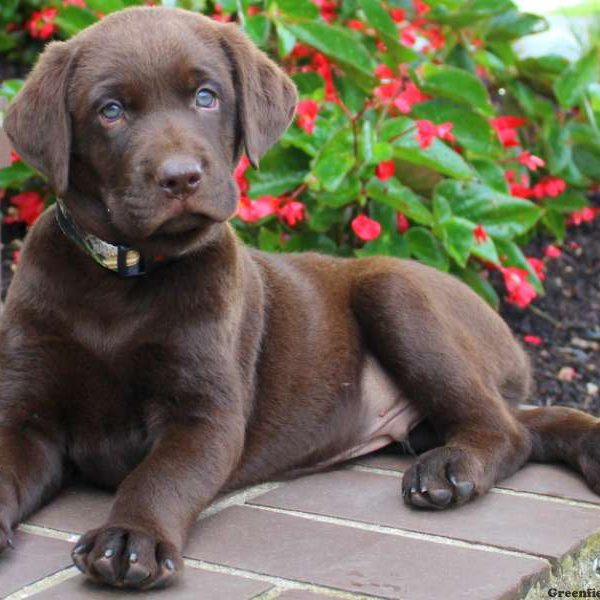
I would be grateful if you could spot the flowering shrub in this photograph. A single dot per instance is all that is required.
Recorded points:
(419, 133)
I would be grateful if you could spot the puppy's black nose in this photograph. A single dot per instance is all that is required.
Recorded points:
(179, 176)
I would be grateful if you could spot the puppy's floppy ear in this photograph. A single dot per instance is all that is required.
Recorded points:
(266, 96)
(37, 121)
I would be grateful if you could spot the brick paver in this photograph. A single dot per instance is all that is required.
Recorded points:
(342, 534)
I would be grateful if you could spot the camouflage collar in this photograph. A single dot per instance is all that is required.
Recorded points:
(123, 260)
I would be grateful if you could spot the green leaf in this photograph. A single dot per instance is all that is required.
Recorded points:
(471, 129)
(566, 203)
(285, 40)
(479, 284)
(486, 251)
(437, 157)
(491, 174)
(304, 9)
(311, 240)
(348, 192)
(378, 17)
(514, 257)
(322, 217)
(457, 85)
(458, 239)
(387, 244)
(335, 160)
(572, 83)
(462, 14)
(72, 19)
(502, 216)
(424, 246)
(587, 159)
(338, 44)
(281, 169)
(269, 241)
(400, 198)
(556, 223)
(105, 6)
(441, 210)
(514, 24)
(258, 28)
(15, 175)
(10, 88)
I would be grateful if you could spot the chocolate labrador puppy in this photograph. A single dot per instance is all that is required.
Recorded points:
(146, 349)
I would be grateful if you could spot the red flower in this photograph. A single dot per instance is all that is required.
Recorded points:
(421, 8)
(520, 291)
(29, 207)
(436, 38)
(408, 36)
(253, 10)
(480, 234)
(411, 95)
(14, 157)
(80, 3)
(322, 66)
(254, 210)
(307, 111)
(427, 131)
(41, 24)
(519, 189)
(301, 51)
(383, 72)
(506, 128)
(402, 224)
(356, 24)
(398, 15)
(365, 228)
(327, 9)
(549, 187)
(552, 251)
(585, 215)
(533, 339)
(292, 212)
(239, 174)
(385, 170)
(387, 92)
(530, 161)
(538, 267)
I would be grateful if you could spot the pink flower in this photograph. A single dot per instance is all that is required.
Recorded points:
(585, 215)
(402, 224)
(292, 212)
(549, 187)
(356, 24)
(14, 157)
(538, 266)
(520, 291)
(306, 112)
(398, 15)
(406, 99)
(383, 72)
(327, 9)
(251, 211)
(533, 339)
(29, 207)
(427, 131)
(408, 36)
(506, 128)
(239, 174)
(41, 24)
(385, 170)
(531, 161)
(552, 251)
(421, 8)
(365, 228)
(480, 234)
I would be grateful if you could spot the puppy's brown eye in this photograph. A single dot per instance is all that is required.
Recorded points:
(206, 98)
(112, 111)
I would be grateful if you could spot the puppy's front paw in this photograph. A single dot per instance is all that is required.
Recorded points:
(443, 477)
(126, 557)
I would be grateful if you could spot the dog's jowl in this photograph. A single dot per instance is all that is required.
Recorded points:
(146, 350)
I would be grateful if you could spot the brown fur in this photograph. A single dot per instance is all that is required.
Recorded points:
(227, 366)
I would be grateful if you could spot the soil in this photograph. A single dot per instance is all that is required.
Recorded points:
(567, 319)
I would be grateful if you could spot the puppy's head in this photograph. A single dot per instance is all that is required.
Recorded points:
(139, 121)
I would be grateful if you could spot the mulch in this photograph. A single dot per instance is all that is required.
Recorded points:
(567, 319)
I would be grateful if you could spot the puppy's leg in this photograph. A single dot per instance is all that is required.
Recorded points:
(436, 361)
(31, 472)
(140, 545)
(566, 435)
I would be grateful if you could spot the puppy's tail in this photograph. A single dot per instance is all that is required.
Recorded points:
(560, 434)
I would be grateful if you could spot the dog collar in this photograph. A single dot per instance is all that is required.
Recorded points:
(123, 260)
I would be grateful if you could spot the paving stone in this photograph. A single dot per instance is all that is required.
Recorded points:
(34, 557)
(76, 509)
(526, 524)
(195, 584)
(302, 595)
(548, 479)
(367, 562)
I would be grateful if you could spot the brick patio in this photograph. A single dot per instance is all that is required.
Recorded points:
(343, 534)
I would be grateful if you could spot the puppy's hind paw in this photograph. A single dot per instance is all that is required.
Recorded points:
(124, 557)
